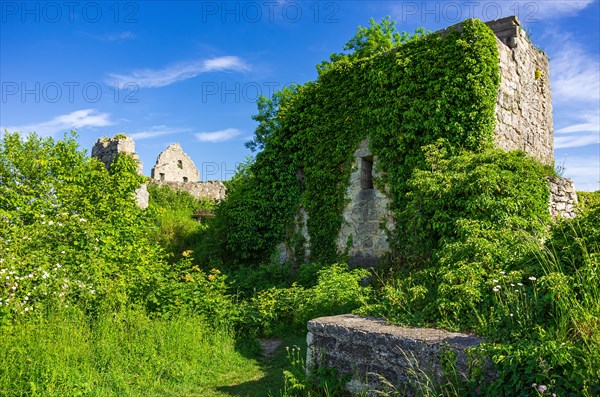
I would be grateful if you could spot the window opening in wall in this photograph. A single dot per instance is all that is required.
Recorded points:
(366, 173)
(162, 176)
(180, 164)
(301, 177)
(185, 179)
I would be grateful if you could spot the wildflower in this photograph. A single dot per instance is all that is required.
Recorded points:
(542, 388)
(511, 314)
(82, 220)
(495, 281)
(532, 278)
(512, 285)
(520, 284)
(45, 275)
(516, 290)
(62, 252)
(496, 288)
(26, 309)
(93, 291)
(50, 223)
(186, 253)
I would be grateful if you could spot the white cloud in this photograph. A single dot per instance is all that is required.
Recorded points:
(585, 170)
(575, 73)
(121, 36)
(178, 72)
(218, 136)
(559, 8)
(156, 131)
(585, 131)
(78, 119)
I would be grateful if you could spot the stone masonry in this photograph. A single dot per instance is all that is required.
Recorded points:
(524, 103)
(563, 197)
(214, 190)
(107, 149)
(174, 165)
(523, 122)
(366, 217)
(379, 357)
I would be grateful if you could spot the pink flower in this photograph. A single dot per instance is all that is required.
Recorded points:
(541, 389)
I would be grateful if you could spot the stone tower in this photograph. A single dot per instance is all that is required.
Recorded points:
(174, 165)
(107, 149)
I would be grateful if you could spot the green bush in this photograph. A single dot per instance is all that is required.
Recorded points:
(280, 311)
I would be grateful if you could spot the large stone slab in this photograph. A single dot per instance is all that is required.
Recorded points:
(379, 356)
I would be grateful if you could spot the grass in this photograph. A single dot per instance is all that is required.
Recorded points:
(129, 354)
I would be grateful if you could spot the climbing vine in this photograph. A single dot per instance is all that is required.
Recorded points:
(429, 87)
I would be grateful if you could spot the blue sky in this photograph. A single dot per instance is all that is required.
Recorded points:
(190, 71)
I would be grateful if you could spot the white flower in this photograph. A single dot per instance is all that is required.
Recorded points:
(512, 285)
(502, 272)
(82, 220)
(511, 314)
(50, 223)
(495, 281)
(26, 309)
(520, 284)
(62, 252)
(532, 278)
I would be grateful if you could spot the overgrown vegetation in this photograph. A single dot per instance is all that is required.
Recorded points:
(101, 298)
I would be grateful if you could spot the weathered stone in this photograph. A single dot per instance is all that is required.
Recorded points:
(107, 149)
(376, 355)
(563, 196)
(174, 165)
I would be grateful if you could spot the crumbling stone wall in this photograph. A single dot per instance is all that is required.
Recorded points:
(524, 103)
(563, 197)
(363, 233)
(372, 352)
(214, 190)
(174, 165)
(106, 150)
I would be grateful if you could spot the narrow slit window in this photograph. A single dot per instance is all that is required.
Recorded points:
(180, 164)
(162, 176)
(366, 173)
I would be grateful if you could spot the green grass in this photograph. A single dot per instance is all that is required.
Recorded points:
(129, 354)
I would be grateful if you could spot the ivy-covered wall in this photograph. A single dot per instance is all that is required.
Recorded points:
(434, 86)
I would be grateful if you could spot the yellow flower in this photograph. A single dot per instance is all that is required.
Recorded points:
(187, 253)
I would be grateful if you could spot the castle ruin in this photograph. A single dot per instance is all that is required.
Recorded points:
(173, 168)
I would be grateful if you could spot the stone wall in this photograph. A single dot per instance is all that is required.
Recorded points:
(106, 150)
(174, 165)
(563, 197)
(366, 217)
(214, 190)
(524, 103)
(373, 353)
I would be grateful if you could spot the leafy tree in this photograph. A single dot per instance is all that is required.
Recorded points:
(371, 40)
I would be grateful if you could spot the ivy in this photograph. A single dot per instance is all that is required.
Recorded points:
(425, 88)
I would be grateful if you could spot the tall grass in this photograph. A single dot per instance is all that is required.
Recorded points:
(65, 353)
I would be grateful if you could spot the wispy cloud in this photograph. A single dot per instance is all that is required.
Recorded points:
(78, 119)
(585, 170)
(575, 73)
(156, 131)
(446, 13)
(559, 8)
(218, 136)
(168, 75)
(120, 36)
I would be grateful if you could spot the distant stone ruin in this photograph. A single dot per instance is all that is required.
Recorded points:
(174, 165)
(173, 168)
(107, 149)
